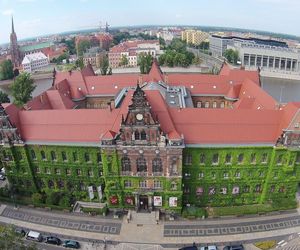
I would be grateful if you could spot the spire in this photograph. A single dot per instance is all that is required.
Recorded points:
(12, 25)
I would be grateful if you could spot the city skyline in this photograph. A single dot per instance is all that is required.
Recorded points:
(36, 18)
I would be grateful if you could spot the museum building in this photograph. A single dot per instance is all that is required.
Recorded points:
(155, 140)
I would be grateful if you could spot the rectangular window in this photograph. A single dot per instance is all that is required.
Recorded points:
(75, 157)
(157, 184)
(143, 184)
(215, 159)
(206, 104)
(127, 184)
(64, 156)
(253, 158)
(199, 104)
(240, 158)
(228, 159)
(57, 171)
(99, 158)
(87, 157)
(201, 175)
(264, 158)
(33, 155)
(43, 155)
(298, 158)
(47, 171)
(90, 173)
(188, 159)
(222, 105)
(279, 159)
(214, 105)
(78, 171)
(237, 175)
(68, 171)
(202, 158)
(37, 170)
(226, 175)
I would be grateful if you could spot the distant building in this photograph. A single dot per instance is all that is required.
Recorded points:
(103, 40)
(33, 62)
(195, 37)
(14, 48)
(268, 54)
(131, 50)
(218, 43)
(93, 56)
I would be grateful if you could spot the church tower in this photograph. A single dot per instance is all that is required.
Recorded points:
(14, 48)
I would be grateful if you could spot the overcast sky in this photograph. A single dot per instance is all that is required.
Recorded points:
(39, 17)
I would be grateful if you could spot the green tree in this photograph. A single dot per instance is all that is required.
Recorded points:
(124, 61)
(79, 63)
(231, 55)
(10, 240)
(104, 65)
(82, 46)
(145, 63)
(4, 97)
(7, 70)
(22, 89)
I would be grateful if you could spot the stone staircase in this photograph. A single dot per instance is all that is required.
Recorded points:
(143, 218)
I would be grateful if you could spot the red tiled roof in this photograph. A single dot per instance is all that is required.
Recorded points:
(227, 126)
(254, 119)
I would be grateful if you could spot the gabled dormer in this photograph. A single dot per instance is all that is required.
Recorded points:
(139, 127)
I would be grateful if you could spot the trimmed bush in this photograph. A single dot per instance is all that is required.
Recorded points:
(194, 212)
(265, 245)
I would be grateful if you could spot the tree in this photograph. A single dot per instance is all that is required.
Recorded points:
(4, 97)
(10, 240)
(82, 46)
(124, 61)
(79, 63)
(7, 70)
(231, 55)
(145, 63)
(104, 66)
(22, 89)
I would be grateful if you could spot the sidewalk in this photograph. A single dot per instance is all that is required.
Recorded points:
(139, 233)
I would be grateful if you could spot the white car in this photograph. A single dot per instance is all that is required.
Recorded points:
(212, 247)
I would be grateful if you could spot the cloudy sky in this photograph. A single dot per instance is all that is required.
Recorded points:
(39, 17)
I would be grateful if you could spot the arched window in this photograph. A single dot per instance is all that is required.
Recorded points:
(143, 135)
(141, 164)
(136, 135)
(157, 165)
(125, 162)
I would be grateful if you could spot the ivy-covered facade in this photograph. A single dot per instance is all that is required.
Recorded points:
(157, 146)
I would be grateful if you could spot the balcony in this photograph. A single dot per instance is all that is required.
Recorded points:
(126, 173)
(157, 174)
(142, 174)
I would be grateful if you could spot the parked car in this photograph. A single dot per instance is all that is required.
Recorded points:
(189, 248)
(53, 240)
(234, 247)
(211, 247)
(36, 236)
(20, 231)
(71, 244)
(2, 177)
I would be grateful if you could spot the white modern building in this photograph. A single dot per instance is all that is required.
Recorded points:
(35, 61)
(270, 58)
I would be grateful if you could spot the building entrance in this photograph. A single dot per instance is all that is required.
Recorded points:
(143, 202)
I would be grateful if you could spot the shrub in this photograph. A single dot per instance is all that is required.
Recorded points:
(194, 212)
(96, 211)
(37, 198)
